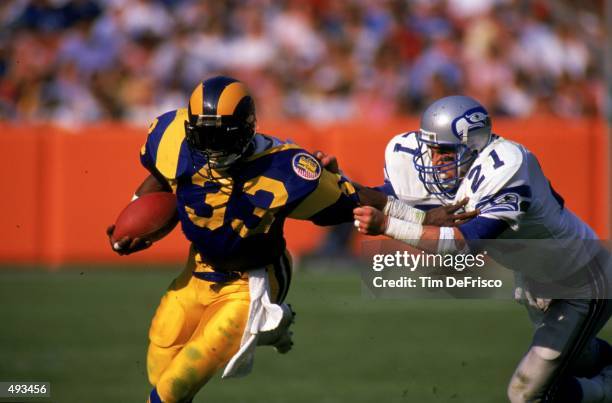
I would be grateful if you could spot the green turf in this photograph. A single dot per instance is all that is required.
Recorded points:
(85, 331)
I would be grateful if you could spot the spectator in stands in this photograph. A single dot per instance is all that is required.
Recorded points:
(314, 59)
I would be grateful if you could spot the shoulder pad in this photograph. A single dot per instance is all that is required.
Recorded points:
(165, 149)
(297, 169)
(498, 182)
(494, 169)
(404, 143)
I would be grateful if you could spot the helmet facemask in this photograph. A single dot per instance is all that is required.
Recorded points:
(220, 140)
(444, 178)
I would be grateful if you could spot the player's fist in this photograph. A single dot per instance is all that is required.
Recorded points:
(329, 162)
(369, 220)
(126, 245)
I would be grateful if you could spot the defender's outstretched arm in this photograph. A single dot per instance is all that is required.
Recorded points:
(371, 221)
(440, 216)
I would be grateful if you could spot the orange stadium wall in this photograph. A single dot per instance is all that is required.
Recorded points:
(62, 188)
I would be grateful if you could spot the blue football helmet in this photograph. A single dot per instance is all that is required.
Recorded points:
(221, 121)
(458, 124)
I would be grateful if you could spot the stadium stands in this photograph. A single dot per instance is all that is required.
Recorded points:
(78, 61)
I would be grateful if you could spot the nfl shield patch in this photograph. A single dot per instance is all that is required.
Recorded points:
(306, 166)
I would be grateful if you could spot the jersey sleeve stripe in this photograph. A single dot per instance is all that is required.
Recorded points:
(400, 148)
(482, 228)
(523, 191)
(326, 193)
(168, 151)
(156, 132)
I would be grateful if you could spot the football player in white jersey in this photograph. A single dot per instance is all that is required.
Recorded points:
(455, 155)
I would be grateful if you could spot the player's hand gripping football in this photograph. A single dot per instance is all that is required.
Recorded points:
(126, 245)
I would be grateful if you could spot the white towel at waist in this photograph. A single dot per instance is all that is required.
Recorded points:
(263, 316)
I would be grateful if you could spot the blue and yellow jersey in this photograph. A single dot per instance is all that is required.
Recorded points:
(235, 219)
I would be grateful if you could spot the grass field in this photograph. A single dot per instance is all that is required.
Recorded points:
(85, 331)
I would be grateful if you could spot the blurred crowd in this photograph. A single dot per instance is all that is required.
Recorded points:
(76, 61)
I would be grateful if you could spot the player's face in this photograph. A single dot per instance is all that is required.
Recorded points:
(441, 156)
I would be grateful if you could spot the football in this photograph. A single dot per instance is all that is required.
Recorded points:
(151, 216)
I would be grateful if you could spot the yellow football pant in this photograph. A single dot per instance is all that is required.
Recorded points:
(198, 327)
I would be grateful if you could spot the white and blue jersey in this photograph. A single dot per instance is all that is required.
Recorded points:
(401, 178)
(515, 199)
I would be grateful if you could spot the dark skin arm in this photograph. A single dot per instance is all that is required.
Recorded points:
(443, 216)
(153, 183)
(126, 245)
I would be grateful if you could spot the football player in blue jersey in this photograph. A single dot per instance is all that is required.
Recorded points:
(235, 188)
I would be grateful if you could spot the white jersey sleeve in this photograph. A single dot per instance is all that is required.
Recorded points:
(400, 174)
(517, 202)
(498, 183)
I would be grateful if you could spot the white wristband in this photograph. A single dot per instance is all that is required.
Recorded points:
(448, 244)
(446, 241)
(402, 210)
(406, 231)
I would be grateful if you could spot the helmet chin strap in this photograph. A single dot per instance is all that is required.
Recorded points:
(222, 162)
(216, 173)
(228, 160)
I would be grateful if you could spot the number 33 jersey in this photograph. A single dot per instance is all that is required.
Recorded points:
(235, 218)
